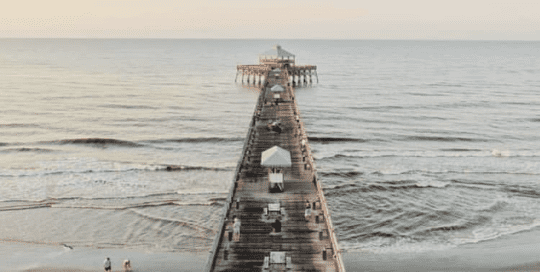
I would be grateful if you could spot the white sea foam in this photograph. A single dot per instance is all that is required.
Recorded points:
(432, 183)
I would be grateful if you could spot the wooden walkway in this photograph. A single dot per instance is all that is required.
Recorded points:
(302, 245)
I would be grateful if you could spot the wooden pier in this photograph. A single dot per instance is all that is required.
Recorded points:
(276, 199)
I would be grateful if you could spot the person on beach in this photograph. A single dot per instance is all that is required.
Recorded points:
(107, 264)
(236, 229)
(127, 266)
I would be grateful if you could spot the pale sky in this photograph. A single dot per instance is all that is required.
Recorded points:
(272, 19)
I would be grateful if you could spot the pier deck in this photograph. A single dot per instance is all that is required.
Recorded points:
(303, 244)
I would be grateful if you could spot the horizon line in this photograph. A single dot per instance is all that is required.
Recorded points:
(284, 39)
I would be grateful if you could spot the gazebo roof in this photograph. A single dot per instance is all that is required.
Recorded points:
(276, 157)
(277, 53)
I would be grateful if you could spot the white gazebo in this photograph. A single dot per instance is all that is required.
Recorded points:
(277, 53)
(277, 88)
(273, 158)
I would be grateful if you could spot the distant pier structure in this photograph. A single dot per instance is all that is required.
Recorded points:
(277, 58)
(276, 217)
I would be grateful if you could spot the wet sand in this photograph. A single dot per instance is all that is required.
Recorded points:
(517, 252)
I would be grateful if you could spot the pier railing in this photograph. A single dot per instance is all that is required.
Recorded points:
(229, 201)
(320, 193)
(257, 68)
(213, 251)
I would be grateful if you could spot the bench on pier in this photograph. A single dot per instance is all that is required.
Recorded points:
(277, 260)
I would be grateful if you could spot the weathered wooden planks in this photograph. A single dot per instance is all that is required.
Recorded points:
(309, 245)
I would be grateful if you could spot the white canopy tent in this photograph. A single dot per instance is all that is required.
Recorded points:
(277, 88)
(276, 157)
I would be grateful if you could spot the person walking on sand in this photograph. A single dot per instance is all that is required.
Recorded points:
(127, 266)
(107, 264)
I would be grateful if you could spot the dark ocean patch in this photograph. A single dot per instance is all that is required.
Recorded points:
(17, 125)
(380, 108)
(378, 234)
(519, 103)
(344, 190)
(197, 140)
(353, 189)
(97, 141)
(471, 182)
(191, 168)
(536, 120)
(471, 223)
(426, 94)
(447, 228)
(352, 157)
(391, 187)
(348, 174)
(444, 84)
(460, 149)
(141, 168)
(335, 139)
(345, 186)
(496, 207)
(26, 149)
(119, 106)
(442, 139)
(522, 191)
(168, 84)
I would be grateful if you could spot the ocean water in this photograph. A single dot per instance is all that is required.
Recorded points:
(420, 145)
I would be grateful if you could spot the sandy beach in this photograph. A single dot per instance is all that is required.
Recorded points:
(517, 252)
(22, 257)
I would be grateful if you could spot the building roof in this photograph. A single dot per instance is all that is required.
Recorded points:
(276, 53)
(276, 157)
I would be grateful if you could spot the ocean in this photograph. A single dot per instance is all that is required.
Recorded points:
(419, 145)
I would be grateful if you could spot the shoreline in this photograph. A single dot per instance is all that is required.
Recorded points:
(515, 252)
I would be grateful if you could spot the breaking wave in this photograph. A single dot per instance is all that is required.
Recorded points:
(25, 149)
(118, 106)
(197, 140)
(443, 139)
(348, 174)
(16, 125)
(335, 139)
(97, 141)
(120, 203)
(128, 168)
(351, 188)
(461, 149)
(191, 168)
